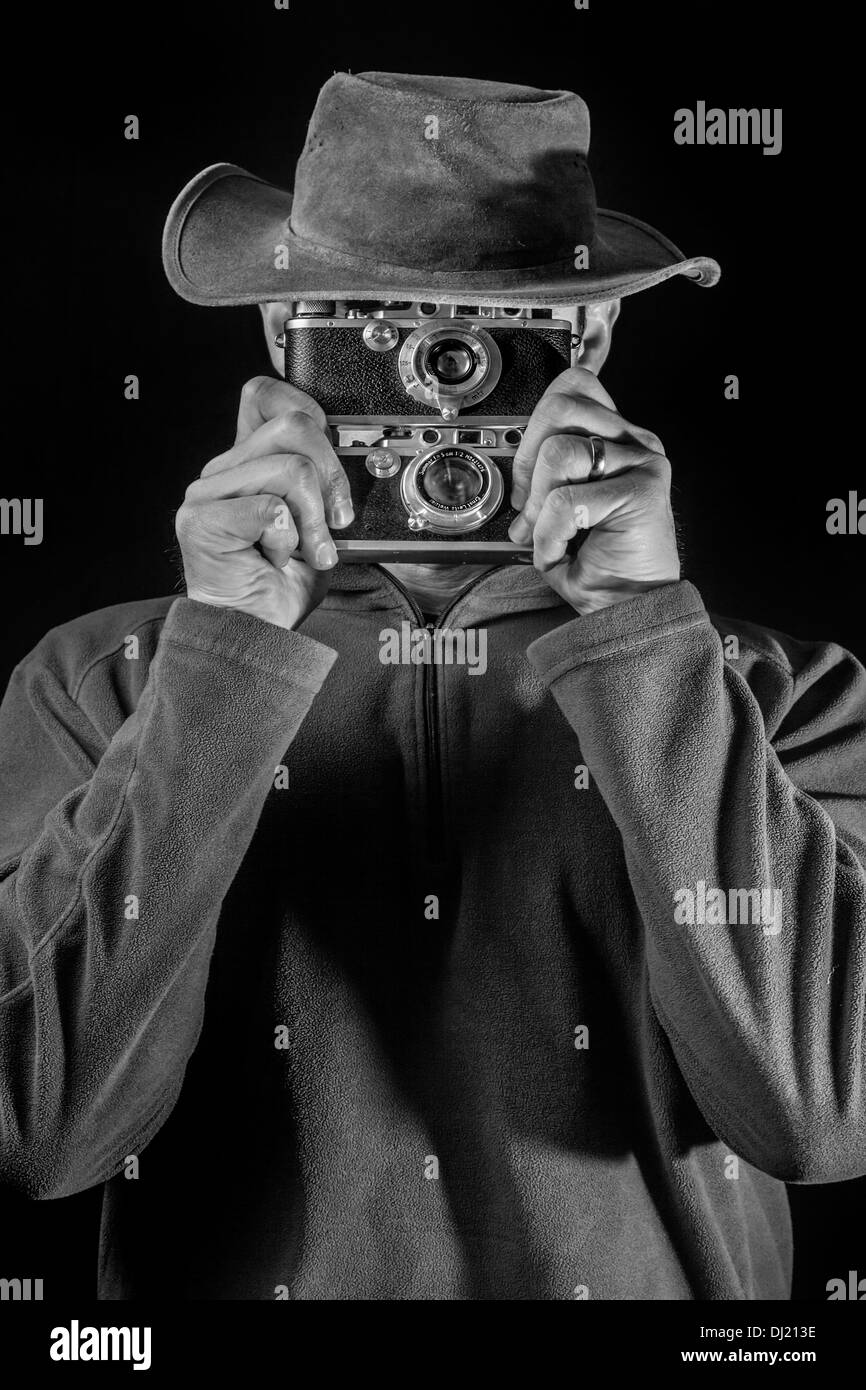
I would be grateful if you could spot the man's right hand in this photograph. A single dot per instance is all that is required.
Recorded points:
(278, 489)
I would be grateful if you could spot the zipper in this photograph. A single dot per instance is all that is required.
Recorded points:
(435, 787)
(436, 797)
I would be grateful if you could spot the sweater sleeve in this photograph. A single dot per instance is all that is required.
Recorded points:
(762, 998)
(115, 856)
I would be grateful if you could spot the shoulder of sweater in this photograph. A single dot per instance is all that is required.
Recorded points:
(73, 650)
(795, 661)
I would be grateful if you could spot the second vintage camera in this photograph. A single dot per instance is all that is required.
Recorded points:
(426, 406)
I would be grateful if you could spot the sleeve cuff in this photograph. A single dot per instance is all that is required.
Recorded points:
(240, 637)
(616, 629)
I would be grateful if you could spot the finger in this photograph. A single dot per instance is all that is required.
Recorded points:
(568, 458)
(280, 539)
(580, 381)
(270, 473)
(558, 413)
(304, 498)
(295, 479)
(577, 507)
(264, 397)
(294, 432)
(228, 524)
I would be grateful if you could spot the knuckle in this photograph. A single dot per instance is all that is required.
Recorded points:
(339, 488)
(255, 388)
(304, 479)
(299, 468)
(658, 466)
(556, 451)
(572, 379)
(648, 439)
(291, 423)
(560, 501)
(296, 418)
(558, 407)
(187, 521)
(311, 409)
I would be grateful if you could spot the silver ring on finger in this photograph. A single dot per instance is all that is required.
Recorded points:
(598, 457)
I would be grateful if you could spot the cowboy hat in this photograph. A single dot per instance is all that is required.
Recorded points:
(416, 188)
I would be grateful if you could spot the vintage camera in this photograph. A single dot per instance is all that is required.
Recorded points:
(426, 406)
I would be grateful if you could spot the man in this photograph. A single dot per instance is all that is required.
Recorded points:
(365, 981)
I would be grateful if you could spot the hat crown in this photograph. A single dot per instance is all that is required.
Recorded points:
(450, 173)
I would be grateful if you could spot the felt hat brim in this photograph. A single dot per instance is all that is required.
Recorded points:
(222, 234)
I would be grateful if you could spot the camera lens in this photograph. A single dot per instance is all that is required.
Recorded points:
(451, 490)
(451, 361)
(452, 481)
(451, 368)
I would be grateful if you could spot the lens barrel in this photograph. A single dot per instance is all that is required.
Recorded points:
(448, 489)
(452, 367)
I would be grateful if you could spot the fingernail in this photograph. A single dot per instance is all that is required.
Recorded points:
(520, 530)
(326, 555)
(342, 514)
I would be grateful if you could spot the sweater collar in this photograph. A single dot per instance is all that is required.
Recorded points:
(506, 589)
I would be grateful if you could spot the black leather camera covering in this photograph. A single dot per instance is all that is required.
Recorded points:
(336, 368)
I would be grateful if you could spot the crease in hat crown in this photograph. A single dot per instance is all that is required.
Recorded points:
(502, 183)
(409, 184)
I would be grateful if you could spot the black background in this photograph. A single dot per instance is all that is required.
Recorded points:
(86, 304)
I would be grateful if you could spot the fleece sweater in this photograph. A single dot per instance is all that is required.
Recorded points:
(355, 980)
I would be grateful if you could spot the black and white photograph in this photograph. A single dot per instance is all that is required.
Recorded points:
(433, 739)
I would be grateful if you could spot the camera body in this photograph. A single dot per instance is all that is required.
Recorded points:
(426, 406)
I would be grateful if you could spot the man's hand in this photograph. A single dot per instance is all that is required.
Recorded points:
(632, 544)
(277, 489)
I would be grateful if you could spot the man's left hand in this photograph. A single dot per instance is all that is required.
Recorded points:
(631, 546)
